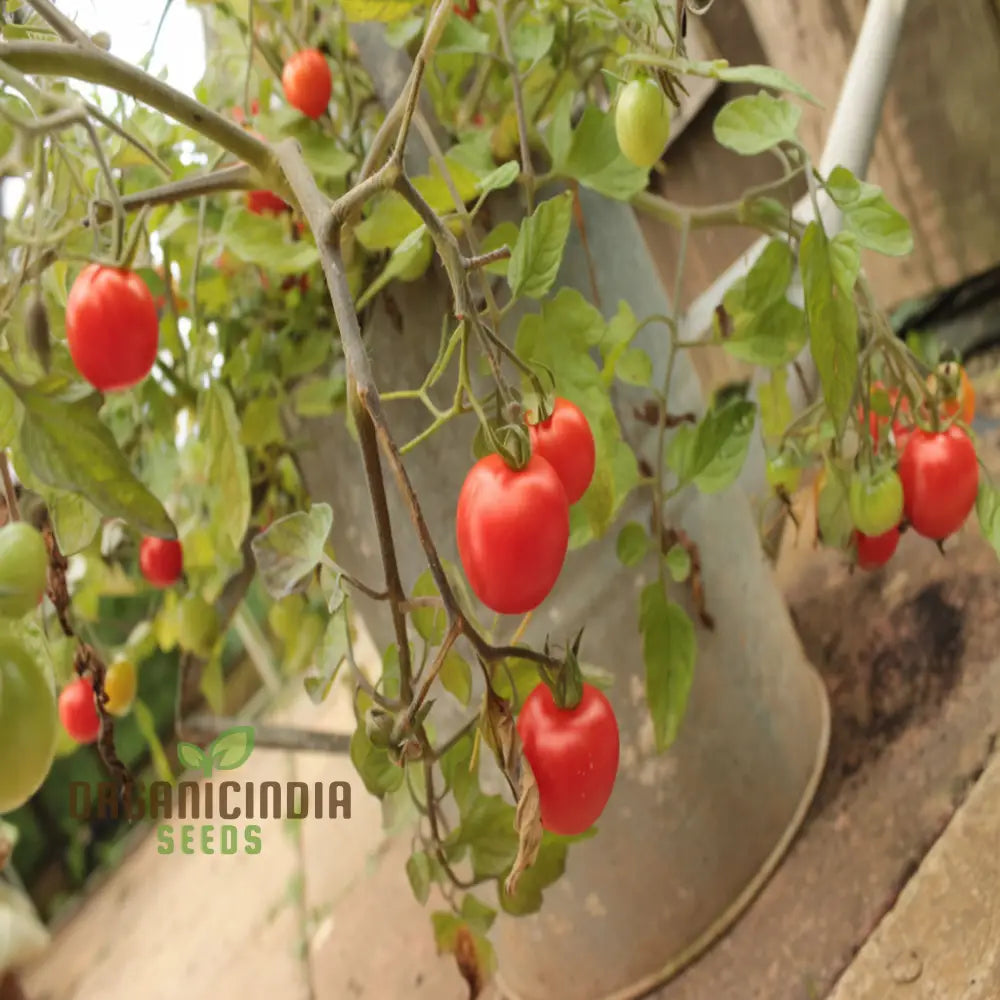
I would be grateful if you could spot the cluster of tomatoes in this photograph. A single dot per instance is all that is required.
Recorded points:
(932, 488)
(512, 527)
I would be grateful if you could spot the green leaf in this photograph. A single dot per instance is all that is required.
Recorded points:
(769, 277)
(430, 623)
(75, 520)
(712, 453)
(221, 431)
(192, 756)
(678, 561)
(385, 11)
(487, 829)
(833, 515)
(530, 40)
(379, 774)
(291, 548)
(771, 337)
(549, 866)
(504, 175)
(324, 158)
(477, 914)
(668, 651)
(503, 235)
(262, 240)
(828, 283)
(755, 123)
(868, 215)
(635, 367)
(420, 870)
(763, 76)
(232, 749)
(775, 405)
(319, 397)
(10, 416)
(69, 448)
(262, 422)
(330, 657)
(988, 512)
(535, 258)
(447, 928)
(460, 36)
(147, 727)
(595, 160)
(456, 676)
(633, 544)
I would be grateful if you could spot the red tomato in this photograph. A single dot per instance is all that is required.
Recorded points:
(566, 442)
(265, 203)
(469, 11)
(876, 550)
(239, 115)
(512, 527)
(78, 711)
(161, 561)
(307, 82)
(940, 474)
(573, 755)
(112, 330)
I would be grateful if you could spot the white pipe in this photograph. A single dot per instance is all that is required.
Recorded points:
(849, 143)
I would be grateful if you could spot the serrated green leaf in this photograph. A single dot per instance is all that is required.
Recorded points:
(535, 258)
(711, 454)
(68, 448)
(771, 337)
(828, 285)
(291, 548)
(221, 432)
(755, 123)
(668, 651)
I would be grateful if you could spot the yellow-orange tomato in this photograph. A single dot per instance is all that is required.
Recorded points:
(120, 687)
(963, 401)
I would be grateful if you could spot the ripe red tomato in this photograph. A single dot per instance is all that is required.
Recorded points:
(161, 561)
(940, 474)
(469, 11)
(239, 115)
(573, 755)
(876, 550)
(307, 82)
(112, 330)
(566, 442)
(265, 203)
(78, 711)
(512, 527)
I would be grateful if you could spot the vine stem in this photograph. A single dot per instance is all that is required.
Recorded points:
(527, 168)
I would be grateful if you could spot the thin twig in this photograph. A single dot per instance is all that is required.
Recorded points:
(527, 168)
(13, 511)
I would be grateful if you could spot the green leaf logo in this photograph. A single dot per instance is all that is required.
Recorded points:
(231, 749)
(228, 751)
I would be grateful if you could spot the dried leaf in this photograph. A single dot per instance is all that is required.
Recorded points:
(528, 823)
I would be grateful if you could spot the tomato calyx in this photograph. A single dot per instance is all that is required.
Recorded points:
(567, 684)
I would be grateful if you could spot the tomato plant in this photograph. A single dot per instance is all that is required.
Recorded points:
(940, 476)
(27, 725)
(874, 551)
(161, 560)
(642, 121)
(573, 753)
(876, 501)
(564, 439)
(24, 564)
(307, 82)
(512, 527)
(78, 711)
(112, 329)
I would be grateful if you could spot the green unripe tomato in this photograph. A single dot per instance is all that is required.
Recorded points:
(876, 501)
(28, 725)
(24, 566)
(197, 625)
(642, 122)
